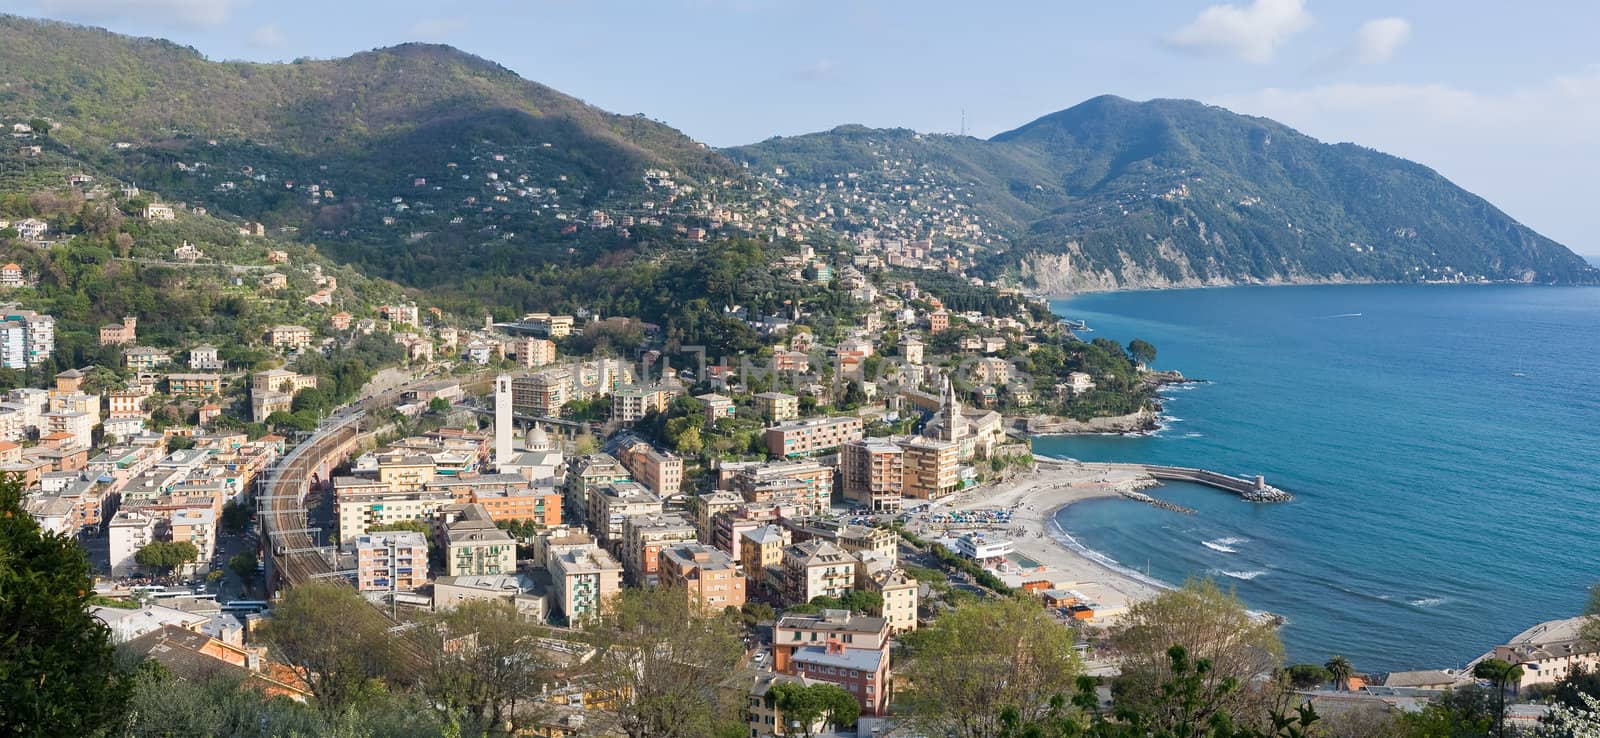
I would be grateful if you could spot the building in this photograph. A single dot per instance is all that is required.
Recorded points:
(1079, 383)
(932, 468)
(816, 568)
(550, 326)
(532, 352)
(762, 714)
(204, 358)
(804, 485)
(281, 380)
(899, 592)
(584, 475)
(129, 532)
(365, 503)
(158, 211)
(777, 407)
(289, 337)
(612, 504)
(583, 580)
(716, 407)
(527, 594)
(1549, 651)
(911, 350)
(872, 474)
(542, 394)
(707, 576)
(264, 404)
(630, 404)
(120, 333)
(391, 561)
(194, 385)
(831, 646)
(27, 338)
(11, 276)
(31, 229)
(659, 471)
(473, 545)
(811, 436)
(145, 358)
(991, 370)
(643, 538)
(197, 526)
(979, 546)
(761, 550)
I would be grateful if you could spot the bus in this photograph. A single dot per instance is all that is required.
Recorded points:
(245, 606)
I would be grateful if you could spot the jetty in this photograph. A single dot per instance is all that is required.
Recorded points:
(1249, 489)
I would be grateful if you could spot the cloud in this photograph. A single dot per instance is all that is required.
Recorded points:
(267, 37)
(434, 29)
(1252, 33)
(818, 71)
(1378, 39)
(177, 13)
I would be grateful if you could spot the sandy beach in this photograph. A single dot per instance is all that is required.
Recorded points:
(1034, 498)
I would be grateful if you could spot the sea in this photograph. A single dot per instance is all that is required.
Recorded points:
(1442, 444)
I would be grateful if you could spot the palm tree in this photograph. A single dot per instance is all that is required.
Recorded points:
(1341, 670)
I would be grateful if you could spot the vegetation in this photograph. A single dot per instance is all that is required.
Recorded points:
(972, 661)
(484, 666)
(58, 675)
(326, 635)
(814, 703)
(164, 556)
(654, 645)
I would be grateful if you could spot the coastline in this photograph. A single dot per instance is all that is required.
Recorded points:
(1035, 498)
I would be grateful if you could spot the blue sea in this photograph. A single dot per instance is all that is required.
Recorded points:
(1443, 444)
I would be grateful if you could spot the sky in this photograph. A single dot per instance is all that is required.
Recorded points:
(1503, 98)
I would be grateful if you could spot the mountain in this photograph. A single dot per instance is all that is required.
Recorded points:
(1113, 194)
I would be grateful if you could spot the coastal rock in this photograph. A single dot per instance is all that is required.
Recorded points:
(1139, 422)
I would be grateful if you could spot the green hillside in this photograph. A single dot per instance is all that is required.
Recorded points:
(1114, 193)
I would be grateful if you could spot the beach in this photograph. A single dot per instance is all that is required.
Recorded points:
(1033, 498)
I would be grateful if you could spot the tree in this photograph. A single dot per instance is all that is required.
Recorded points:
(809, 705)
(664, 658)
(57, 675)
(1340, 670)
(690, 442)
(244, 565)
(1502, 673)
(485, 664)
(1572, 721)
(1141, 351)
(235, 516)
(1308, 676)
(1212, 625)
(438, 406)
(1462, 713)
(329, 636)
(982, 657)
(1590, 630)
(164, 556)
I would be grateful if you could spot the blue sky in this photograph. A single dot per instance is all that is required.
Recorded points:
(1504, 98)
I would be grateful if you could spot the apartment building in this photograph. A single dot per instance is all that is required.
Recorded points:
(281, 380)
(128, 532)
(534, 352)
(932, 468)
(644, 537)
(473, 545)
(875, 573)
(630, 404)
(811, 436)
(816, 568)
(761, 550)
(391, 561)
(194, 385)
(612, 504)
(289, 337)
(873, 474)
(839, 647)
(583, 581)
(366, 503)
(26, 337)
(716, 407)
(659, 471)
(804, 485)
(584, 474)
(542, 394)
(710, 578)
(776, 407)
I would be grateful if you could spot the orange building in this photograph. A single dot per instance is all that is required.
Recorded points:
(705, 574)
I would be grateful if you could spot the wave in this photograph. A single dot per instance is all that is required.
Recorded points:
(1245, 575)
(1429, 602)
(1219, 546)
(1344, 315)
(1065, 539)
(1194, 435)
(1231, 541)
